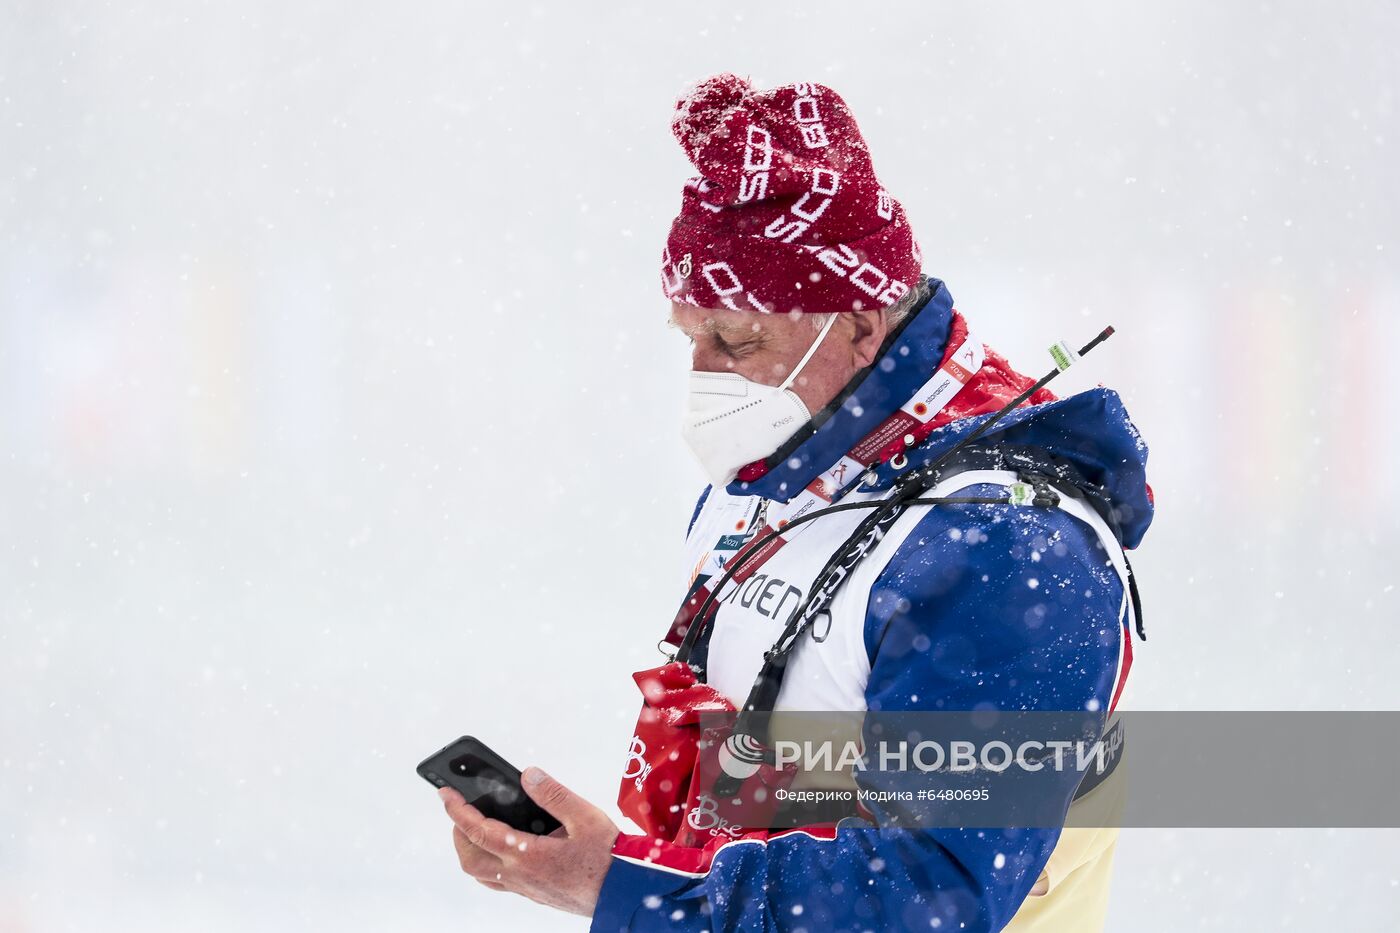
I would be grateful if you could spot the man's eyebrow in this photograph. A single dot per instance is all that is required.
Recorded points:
(735, 329)
(688, 331)
(704, 327)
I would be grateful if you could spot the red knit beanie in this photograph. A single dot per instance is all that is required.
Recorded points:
(786, 213)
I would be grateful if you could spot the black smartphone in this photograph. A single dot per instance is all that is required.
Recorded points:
(488, 782)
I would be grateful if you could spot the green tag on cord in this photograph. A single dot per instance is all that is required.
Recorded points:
(1063, 355)
(1022, 493)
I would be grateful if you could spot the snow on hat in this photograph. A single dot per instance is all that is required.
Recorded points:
(786, 214)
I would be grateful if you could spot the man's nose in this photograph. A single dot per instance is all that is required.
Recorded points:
(706, 359)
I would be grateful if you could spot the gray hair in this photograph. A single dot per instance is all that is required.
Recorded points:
(894, 314)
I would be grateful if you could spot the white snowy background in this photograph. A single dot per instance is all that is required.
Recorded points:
(338, 416)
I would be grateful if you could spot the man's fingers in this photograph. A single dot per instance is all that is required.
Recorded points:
(492, 835)
(474, 860)
(560, 802)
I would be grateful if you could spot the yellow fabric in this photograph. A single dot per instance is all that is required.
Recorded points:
(1075, 880)
(1077, 899)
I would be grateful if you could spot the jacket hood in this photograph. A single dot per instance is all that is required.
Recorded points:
(1091, 428)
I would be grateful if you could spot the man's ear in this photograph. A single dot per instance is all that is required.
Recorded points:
(867, 335)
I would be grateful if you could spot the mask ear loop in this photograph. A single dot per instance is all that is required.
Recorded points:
(810, 350)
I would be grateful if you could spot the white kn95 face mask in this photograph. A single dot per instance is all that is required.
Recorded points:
(731, 421)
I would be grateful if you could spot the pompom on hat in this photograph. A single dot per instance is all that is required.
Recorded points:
(786, 214)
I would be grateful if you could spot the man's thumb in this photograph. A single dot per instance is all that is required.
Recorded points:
(557, 800)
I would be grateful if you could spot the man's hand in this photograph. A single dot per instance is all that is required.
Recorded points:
(564, 869)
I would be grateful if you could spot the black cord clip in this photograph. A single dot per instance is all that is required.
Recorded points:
(1034, 489)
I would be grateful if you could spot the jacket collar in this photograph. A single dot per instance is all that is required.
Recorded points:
(1091, 428)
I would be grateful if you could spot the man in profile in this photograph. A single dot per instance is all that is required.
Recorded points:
(825, 367)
